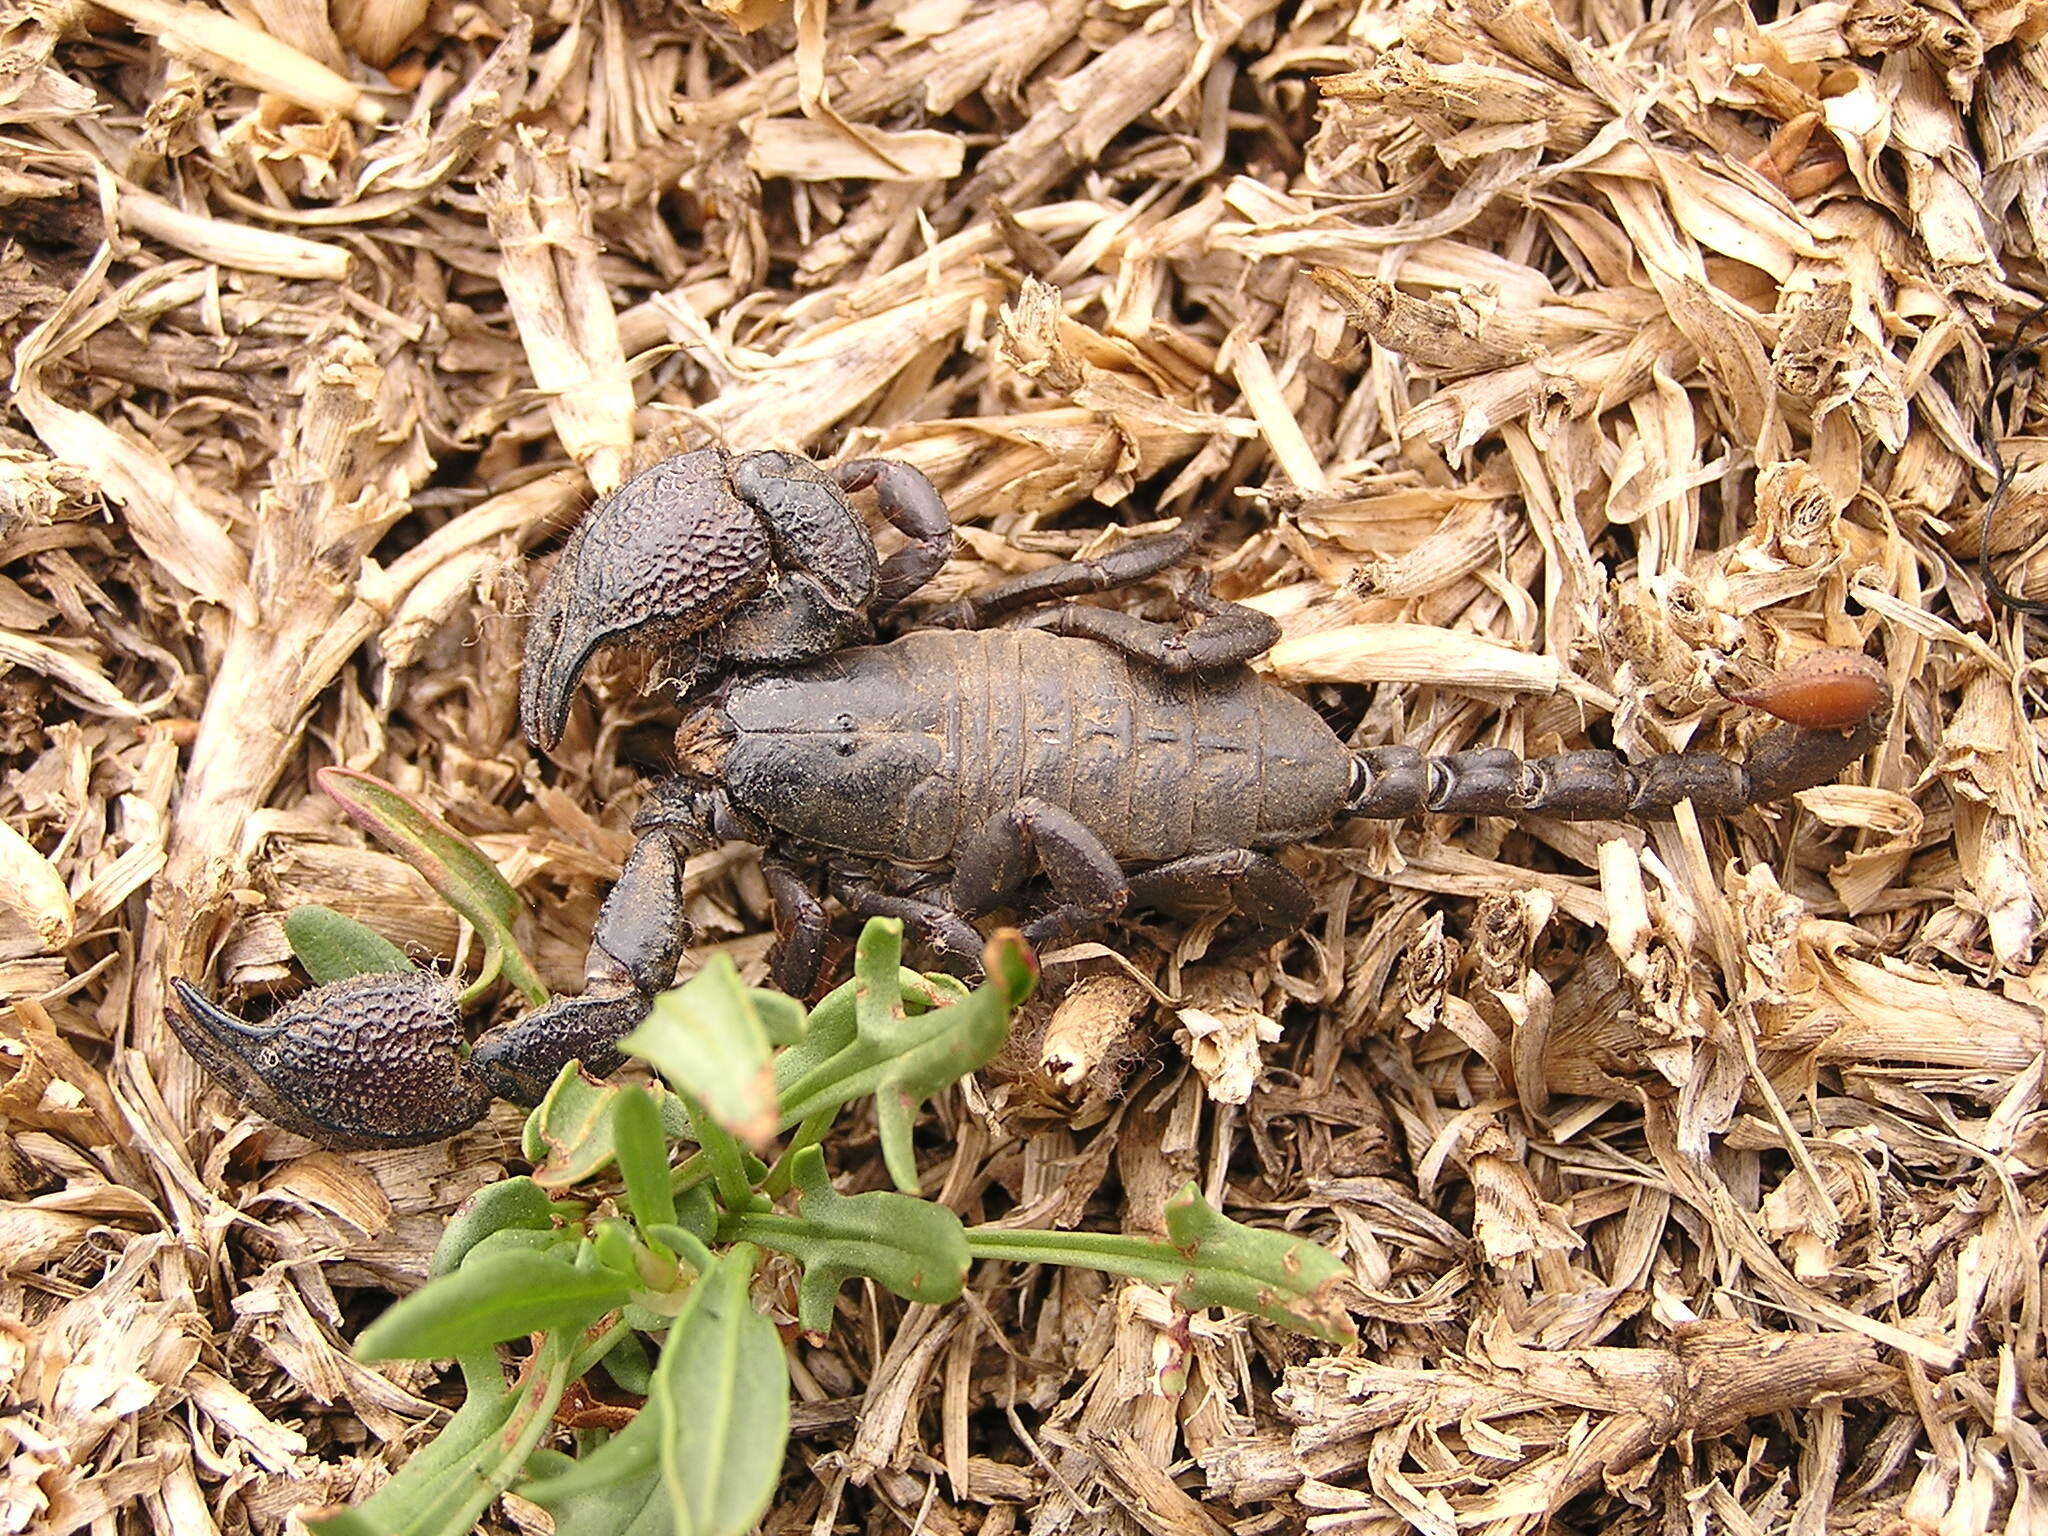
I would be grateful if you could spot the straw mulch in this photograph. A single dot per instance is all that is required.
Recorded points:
(1546, 365)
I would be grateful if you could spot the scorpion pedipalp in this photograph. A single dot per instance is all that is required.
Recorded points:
(380, 1059)
(634, 952)
(673, 550)
(717, 558)
(374, 1060)
(518, 1061)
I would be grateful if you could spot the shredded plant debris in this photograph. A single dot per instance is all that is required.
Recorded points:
(1548, 371)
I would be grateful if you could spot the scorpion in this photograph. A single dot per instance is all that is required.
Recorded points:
(932, 777)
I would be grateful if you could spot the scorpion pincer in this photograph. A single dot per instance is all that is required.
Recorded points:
(935, 777)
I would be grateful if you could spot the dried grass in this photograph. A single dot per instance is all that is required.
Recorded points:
(1543, 360)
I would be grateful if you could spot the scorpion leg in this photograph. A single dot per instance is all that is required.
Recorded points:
(934, 927)
(1226, 634)
(800, 930)
(1062, 925)
(1071, 578)
(1266, 891)
(914, 508)
(634, 952)
(990, 867)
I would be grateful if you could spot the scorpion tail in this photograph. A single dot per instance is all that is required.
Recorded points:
(1835, 706)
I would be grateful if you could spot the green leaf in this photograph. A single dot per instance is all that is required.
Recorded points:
(900, 1055)
(733, 1169)
(697, 1212)
(913, 1248)
(612, 1245)
(490, 1299)
(615, 1490)
(643, 1157)
(1209, 1261)
(828, 1031)
(782, 1016)
(632, 1452)
(445, 1487)
(414, 1501)
(568, 1137)
(1283, 1279)
(877, 964)
(333, 948)
(633, 1506)
(830, 1028)
(709, 1039)
(629, 1367)
(524, 1240)
(449, 862)
(509, 1203)
(721, 1393)
(685, 1244)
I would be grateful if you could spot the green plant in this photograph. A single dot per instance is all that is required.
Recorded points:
(612, 1247)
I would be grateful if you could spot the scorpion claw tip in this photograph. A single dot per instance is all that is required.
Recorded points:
(374, 1060)
(547, 689)
(559, 645)
(201, 1011)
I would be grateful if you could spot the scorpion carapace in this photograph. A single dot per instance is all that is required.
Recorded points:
(938, 776)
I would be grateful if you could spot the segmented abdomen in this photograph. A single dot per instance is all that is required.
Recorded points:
(901, 751)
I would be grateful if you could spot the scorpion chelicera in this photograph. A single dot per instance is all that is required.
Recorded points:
(933, 777)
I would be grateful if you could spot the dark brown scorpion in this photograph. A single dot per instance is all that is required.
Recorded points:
(932, 777)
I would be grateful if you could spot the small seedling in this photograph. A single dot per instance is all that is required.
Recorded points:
(635, 1242)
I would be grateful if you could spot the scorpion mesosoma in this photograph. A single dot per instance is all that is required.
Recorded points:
(932, 777)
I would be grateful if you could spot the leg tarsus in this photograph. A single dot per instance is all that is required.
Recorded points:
(938, 930)
(800, 931)
(1269, 894)
(1064, 924)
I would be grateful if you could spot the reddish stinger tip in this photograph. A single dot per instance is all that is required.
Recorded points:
(1827, 691)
